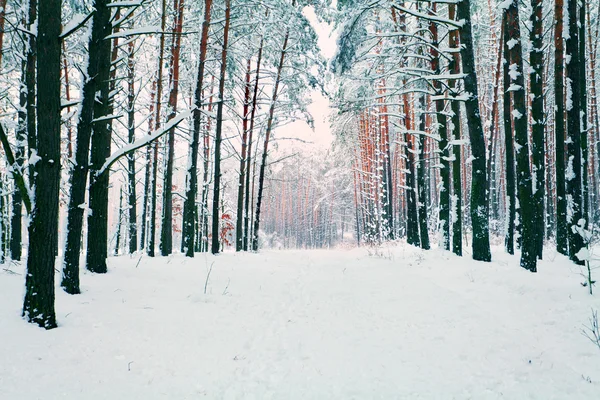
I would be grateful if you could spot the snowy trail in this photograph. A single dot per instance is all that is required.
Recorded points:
(308, 325)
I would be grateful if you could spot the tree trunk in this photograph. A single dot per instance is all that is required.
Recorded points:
(215, 248)
(263, 164)
(189, 205)
(38, 306)
(559, 129)
(454, 67)
(511, 212)
(98, 71)
(479, 197)
(239, 232)
(529, 252)
(119, 221)
(147, 168)
(443, 146)
(536, 62)
(248, 163)
(421, 181)
(575, 113)
(166, 234)
(131, 192)
(154, 171)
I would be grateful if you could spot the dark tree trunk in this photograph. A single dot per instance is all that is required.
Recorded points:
(98, 71)
(575, 113)
(119, 222)
(38, 306)
(454, 67)
(239, 232)
(131, 192)
(263, 164)
(584, 118)
(166, 234)
(154, 170)
(147, 168)
(249, 153)
(422, 181)
(536, 62)
(216, 220)
(97, 234)
(527, 209)
(559, 129)
(479, 196)
(509, 241)
(443, 146)
(189, 205)
(30, 83)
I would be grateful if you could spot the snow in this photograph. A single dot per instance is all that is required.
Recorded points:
(388, 323)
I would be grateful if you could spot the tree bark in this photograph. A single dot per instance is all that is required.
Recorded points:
(216, 220)
(559, 130)
(38, 306)
(189, 205)
(527, 209)
(536, 63)
(98, 70)
(575, 113)
(166, 235)
(479, 196)
(239, 230)
(131, 189)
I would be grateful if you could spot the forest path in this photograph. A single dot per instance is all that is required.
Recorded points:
(336, 324)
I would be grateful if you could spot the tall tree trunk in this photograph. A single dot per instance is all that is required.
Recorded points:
(131, 192)
(98, 70)
(511, 212)
(454, 67)
(584, 117)
(248, 162)
(443, 146)
(147, 168)
(263, 164)
(421, 181)
(479, 197)
(239, 230)
(575, 113)
(189, 205)
(559, 129)
(97, 234)
(166, 234)
(38, 306)
(536, 62)
(216, 220)
(527, 210)
(154, 171)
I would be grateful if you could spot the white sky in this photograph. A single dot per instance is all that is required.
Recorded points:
(320, 109)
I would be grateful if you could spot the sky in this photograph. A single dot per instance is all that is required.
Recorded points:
(320, 108)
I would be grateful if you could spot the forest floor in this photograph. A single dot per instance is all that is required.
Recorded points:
(391, 323)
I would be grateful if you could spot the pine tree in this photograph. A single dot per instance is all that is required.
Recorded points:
(479, 197)
(38, 306)
(189, 205)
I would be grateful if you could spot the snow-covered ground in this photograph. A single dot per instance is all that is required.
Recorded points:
(338, 324)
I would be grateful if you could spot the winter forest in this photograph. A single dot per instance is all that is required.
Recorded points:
(295, 199)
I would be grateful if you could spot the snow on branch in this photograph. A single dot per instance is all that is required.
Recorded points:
(123, 151)
(429, 17)
(144, 30)
(78, 21)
